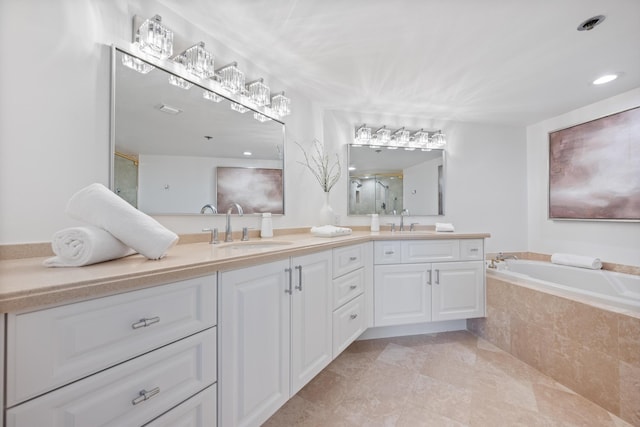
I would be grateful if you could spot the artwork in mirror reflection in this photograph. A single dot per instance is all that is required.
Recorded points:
(389, 182)
(169, 142)
(257, 190)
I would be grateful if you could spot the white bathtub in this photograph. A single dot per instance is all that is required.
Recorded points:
(598, 286)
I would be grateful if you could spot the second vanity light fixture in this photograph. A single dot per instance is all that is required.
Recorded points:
(400, 138)
(154, 38)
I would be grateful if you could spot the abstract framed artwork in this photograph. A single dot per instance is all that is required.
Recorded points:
(257, 190)
(594, 169)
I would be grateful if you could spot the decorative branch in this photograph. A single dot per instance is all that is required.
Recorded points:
(318, 163)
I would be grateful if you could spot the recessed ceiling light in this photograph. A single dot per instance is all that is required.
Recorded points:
(169, 109)
(605, 79)
(247, 153)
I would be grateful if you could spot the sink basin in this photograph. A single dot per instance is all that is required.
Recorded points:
(255, 244)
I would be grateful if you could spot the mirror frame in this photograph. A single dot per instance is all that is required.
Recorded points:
(170, 67)
(441, 184)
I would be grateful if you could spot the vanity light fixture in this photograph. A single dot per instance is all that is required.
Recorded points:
(280, 104)
(231, 78)
(238, 107)
(261, 117)
(197, 61)
(258, 92)
(180, 82)
(136, 64)
(438, 140)
(153, 38)
(211, 96)
(401, 138)
(363, 135)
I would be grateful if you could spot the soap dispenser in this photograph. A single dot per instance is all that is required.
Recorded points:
(266, 230)
(375, 222)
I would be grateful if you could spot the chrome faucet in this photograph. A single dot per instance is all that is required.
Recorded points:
(227, 232)
(502, 257)
(209, 206)
(402, 215)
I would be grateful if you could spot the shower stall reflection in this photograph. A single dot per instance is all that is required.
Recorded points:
(376, 194)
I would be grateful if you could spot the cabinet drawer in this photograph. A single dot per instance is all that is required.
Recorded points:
(387, 252)
(472, 250)
(50, 348)
(198, 411)
(346, 287)
(348, 324)
(115, 397)
(347, 259)
(414, 251)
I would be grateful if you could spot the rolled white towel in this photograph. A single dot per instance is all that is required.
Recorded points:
(99, 206)
(330, 231)
(577, 261)
(444, 226)
(78, 246)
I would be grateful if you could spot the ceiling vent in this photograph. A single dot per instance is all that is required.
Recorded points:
(590, 23)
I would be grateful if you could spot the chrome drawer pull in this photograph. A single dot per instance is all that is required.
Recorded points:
(353, 316)
(429, 281)
(353, 258)
(299, 286)
(473, 250)
(145, 395)
(389, 252)
(289, 290)
(352, 287)
(143, 323)
(437, 277)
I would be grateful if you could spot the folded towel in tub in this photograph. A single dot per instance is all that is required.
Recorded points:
(78, 246)
(99, 206)
(577, 261)
(444, 226)
(330, 231)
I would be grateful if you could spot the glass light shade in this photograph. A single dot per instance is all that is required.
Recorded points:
(363, 135)
(211, 96)
(384, 136)
(438, 140)
(261, 117)
(239, 108)
(402, 137)
(281, 105)
(259, 93)
(231, 78)
(179, 82)
(421, 138)
(154, 38)
(136, 64)
(198, 61)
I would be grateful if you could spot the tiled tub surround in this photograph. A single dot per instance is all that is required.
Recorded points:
(590, 349)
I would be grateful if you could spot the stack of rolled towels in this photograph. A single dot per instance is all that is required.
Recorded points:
(444, 226)
(577, 261)
(114, 229)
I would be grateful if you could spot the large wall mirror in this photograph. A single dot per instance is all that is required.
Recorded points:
(175, 152)
(389, 182)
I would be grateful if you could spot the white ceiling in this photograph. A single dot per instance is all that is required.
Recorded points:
(492, 61)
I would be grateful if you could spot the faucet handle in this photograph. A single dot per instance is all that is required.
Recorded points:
(412, 226)
(214, 235)
(393, 226)
(245, 234)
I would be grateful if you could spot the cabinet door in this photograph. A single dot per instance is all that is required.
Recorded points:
(311, 317)
(458, 290)
(402, 294)
(254, 343)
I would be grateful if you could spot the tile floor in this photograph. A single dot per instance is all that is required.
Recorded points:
(447, 379)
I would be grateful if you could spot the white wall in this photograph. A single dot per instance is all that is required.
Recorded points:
(617, 242)
(420, 186)
(485, 179)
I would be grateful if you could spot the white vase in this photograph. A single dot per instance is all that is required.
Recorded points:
(327, 217)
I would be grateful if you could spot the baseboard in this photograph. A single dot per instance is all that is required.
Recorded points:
(414, 329)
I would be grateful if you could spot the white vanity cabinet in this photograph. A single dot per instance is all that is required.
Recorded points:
(113, 361)
(419, 281)
(349, 304)
(275, 334)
